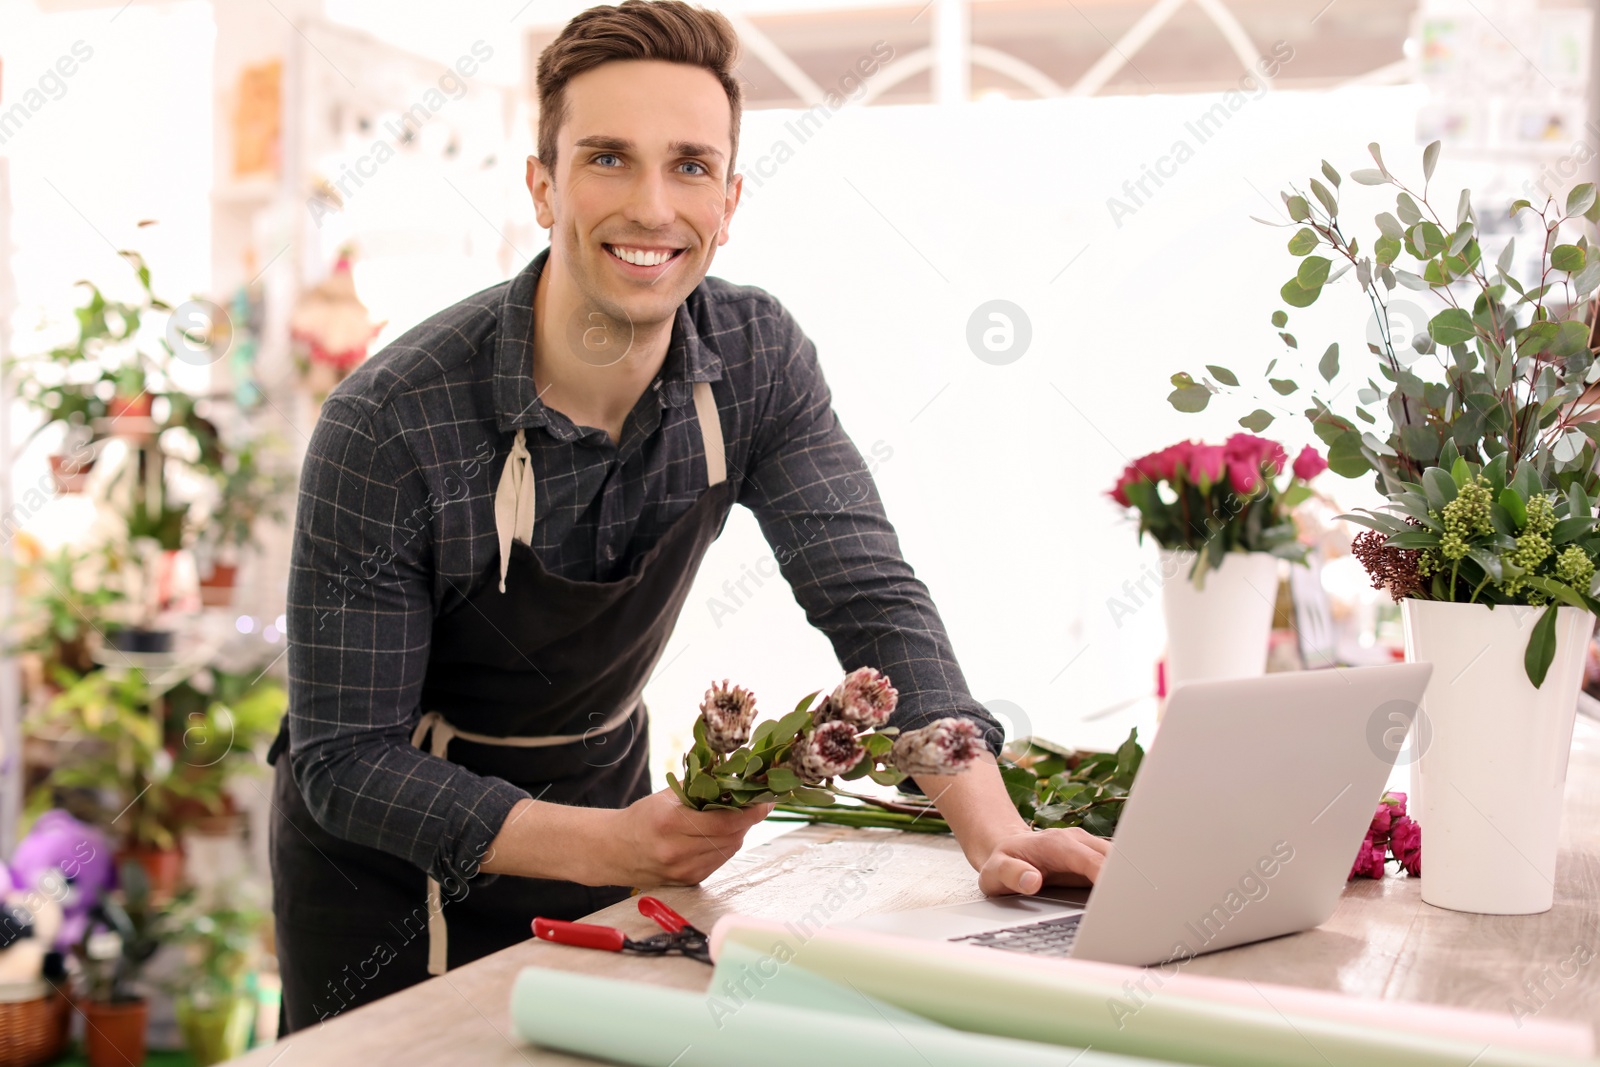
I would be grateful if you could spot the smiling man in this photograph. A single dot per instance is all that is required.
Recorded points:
(500, 517)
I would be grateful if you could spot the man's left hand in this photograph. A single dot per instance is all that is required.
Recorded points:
(1025, 862)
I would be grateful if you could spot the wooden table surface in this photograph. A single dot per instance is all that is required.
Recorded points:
(1383, 942)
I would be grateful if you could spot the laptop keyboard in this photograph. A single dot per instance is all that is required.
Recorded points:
(1053, 937)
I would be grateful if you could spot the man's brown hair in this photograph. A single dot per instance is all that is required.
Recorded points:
(667, 30)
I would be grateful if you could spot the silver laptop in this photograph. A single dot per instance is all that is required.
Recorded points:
(1243, 824)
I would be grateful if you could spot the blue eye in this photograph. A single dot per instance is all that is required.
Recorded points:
(604, 155)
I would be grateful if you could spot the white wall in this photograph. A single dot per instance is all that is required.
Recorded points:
(886, 229)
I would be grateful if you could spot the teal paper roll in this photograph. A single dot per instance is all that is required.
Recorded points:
(651, 1026)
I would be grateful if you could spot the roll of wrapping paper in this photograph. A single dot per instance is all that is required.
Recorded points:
(660, 1027)
(1134, 1011)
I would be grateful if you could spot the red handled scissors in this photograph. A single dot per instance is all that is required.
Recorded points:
(680, 936)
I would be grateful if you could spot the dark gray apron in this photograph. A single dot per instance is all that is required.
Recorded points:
(534, 678)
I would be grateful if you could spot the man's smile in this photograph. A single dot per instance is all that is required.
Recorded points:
(642, 261)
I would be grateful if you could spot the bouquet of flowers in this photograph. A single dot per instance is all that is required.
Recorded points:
(1051, 786)
(1216, 499)
(795, 758)
(1492, 408)
(1392, 835)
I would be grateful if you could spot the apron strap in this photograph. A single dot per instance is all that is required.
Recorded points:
(438, 945)
(513, 502)
(705, 409)
(443, 733)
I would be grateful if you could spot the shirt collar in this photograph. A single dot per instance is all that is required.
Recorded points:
(688, 359)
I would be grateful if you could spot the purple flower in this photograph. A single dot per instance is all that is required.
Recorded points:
(944, 747)
(1406, 840)
(830, 749)
(865, 700)
(728, 711)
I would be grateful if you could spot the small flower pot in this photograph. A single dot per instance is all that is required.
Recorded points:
(68, 476)
(114, 1033)
(216, 1032)
(216, 588)
(139, 640)
(163, 866)
(137, 407)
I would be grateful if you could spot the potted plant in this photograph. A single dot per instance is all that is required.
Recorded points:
(1482, 436)
(251, 487)
(221, 733)
(1223, 523)
(126, 928)
(123, 760)
(221, 942)
(62, 607)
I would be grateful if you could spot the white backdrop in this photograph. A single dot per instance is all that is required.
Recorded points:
(888, 227)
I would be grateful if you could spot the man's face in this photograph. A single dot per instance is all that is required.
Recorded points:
(642, 168)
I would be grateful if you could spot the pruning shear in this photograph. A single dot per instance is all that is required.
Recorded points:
(680, 936)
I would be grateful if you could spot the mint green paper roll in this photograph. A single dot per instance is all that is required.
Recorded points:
(989, 992)
(651, 1026)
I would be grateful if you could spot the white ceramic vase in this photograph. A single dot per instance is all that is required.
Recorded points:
(1219, 631)
(1491, 753)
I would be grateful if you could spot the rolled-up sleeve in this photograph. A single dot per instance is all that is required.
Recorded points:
(819, 509)
(360, 616)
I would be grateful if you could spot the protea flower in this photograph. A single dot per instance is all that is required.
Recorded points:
(828, 750)
(865, 700)
(944, 747)
(728, 711)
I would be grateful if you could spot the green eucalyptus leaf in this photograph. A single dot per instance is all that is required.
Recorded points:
(1222, 374)
(1328, 366)
(1303, 241)
(1280, 319)
(1284, 386)
(1368, 176)
(1257, 421)
(1313, 272)
(1452, 326)
(1569, 258)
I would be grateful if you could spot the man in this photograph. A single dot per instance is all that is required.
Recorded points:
(500, 517)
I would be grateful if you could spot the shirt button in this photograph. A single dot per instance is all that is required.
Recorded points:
(611, 553)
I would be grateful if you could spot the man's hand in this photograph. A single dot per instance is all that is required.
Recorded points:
(656, 840)
(1027, 861)
(659, 840)
(1008, 856)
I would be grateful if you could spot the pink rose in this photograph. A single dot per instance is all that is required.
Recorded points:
(1309, 463)
(1396, 801)
(1369, 861)
(1381, 821)
(1119, 493)
(1163, 465)
(1258, 451)
(1245, 474)
(1207, 464)
(1406, 841)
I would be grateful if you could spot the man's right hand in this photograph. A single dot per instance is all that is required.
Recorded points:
(656, 840)
(659, 840)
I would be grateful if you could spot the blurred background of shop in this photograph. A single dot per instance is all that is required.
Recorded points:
(304, 180)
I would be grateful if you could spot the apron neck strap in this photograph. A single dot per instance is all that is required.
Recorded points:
(513, 502)
(513, 498)
(705, 409)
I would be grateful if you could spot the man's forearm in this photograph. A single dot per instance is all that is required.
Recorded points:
(977, 807)
(544, 840)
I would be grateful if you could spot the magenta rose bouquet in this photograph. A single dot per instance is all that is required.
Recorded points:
(735, 763)
(1216, 499)
(1392, 835)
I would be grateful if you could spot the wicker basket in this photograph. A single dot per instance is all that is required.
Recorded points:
(34, 1031)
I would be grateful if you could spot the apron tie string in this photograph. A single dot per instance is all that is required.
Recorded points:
(513, 503)
(438, 947)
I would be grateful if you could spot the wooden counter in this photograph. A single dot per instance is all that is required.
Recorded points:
(1382, 942)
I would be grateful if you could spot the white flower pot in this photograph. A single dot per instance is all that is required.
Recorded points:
(1491, 753)
(1219, 631)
